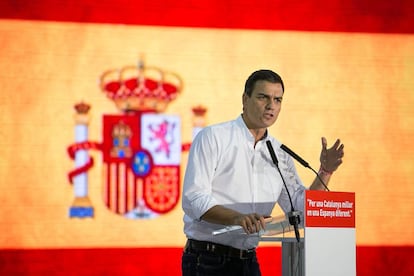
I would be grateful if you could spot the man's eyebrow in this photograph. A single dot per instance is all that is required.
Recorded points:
(266, 95)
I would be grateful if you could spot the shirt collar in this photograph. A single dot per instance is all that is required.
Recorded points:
(247, 132)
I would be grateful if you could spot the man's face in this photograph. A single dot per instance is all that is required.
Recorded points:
(261, 109)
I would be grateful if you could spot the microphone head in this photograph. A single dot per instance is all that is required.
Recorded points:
(272, 152)
(294, 155)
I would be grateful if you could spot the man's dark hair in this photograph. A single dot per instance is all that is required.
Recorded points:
(266, 75)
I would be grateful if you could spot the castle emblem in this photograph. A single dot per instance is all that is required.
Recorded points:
(141, 146)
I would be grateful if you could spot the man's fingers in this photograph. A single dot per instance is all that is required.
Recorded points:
(324, 143)
(253, 223)
(337, 143)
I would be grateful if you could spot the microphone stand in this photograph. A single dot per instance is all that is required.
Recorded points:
(293, 215)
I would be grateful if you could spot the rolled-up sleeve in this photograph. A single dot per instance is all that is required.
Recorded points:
(294, 184)
(197, 187)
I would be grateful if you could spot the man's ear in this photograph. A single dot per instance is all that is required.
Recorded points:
(244, 98)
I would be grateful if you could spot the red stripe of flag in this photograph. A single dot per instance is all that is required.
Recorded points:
(378, 260)
(313, 15)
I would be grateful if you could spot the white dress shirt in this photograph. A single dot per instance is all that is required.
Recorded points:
(226, 168)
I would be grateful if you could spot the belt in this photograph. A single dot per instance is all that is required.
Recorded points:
(219, 249)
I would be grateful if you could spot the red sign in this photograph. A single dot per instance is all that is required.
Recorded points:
(329, 209)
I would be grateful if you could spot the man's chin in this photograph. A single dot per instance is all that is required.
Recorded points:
(269, 122)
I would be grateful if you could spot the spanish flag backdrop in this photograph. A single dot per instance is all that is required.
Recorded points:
(348, 68)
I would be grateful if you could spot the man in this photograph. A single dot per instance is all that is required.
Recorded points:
(231, 180)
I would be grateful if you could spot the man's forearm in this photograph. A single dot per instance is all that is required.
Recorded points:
(221, 215)
(317, 184)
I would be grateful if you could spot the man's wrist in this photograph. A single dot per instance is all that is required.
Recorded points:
(322, 171)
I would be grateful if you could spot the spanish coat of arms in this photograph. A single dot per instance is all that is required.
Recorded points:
(141, 146)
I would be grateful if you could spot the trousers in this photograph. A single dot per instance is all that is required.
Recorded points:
(198, 262)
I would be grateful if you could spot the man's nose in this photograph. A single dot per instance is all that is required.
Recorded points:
(270, 104)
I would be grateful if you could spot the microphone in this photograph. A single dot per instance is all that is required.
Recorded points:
(272, 153)
(303, 162)
(294, 155)
(294, 216)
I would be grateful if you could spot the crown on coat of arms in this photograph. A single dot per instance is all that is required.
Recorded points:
(82, 108)
(141, 88)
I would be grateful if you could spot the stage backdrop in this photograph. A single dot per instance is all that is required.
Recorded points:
(348, 72)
